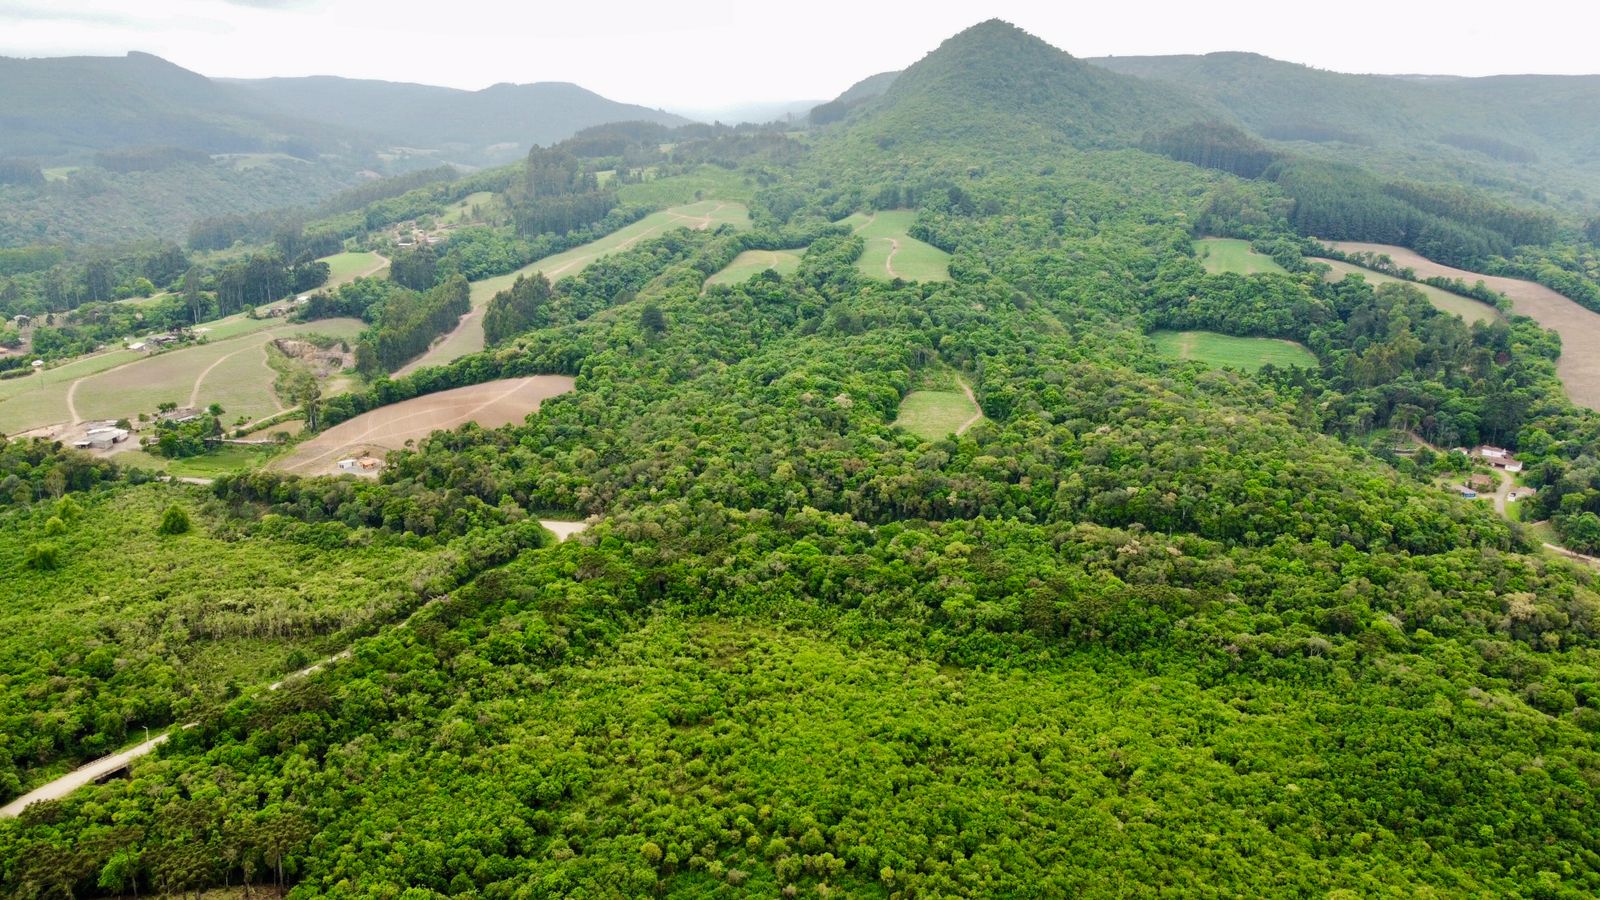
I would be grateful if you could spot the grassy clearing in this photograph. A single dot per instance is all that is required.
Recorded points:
(225, 460)
(1467, 308)
(344, 268)
(751, 263)
(1225, 351)
(124, 383)
(1221, 255)
(892, 253)
(705, 183)
(468, 336)
(938, 407)
(487, 204)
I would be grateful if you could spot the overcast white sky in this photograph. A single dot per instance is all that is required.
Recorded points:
(706, 54)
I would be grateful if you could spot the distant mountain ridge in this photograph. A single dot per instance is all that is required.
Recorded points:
(495, 124)
(73, 106)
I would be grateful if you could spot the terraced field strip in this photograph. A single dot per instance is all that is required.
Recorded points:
(1467, 308)
(893, 253)
(387, 428)
(751, 263)
(467, 337)
(1221, 255)
(1247, 354)
(1579, 366)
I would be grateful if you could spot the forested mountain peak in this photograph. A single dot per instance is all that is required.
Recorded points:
(996, 78)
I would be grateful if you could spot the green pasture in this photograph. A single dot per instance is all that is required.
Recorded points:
(1225, 351)
(751, 263)
(893, 253)
(1467, 308)
(1221, 255)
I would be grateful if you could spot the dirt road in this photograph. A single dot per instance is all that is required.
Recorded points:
(967, 389)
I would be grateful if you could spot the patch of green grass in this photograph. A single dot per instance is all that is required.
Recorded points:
(893, 253)
(751, 263)
(225, 460)
(1247, 354)
(1467, 308)
(344, 268)
(705, 183)
(487, 203)
(1221, 255)
(938, 407)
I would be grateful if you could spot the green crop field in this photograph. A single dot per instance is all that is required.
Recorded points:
(225, 460)
(1221, 255)
(892, 253)
(1220, 350)
(1465, 307)
(468, 336)
(344, 268)
(751, 263)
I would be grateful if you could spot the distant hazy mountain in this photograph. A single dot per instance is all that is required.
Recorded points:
(759, 113)
(495, 124)
(70, 107)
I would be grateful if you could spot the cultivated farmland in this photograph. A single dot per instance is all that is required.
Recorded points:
(1467, 308)
(751, 263)
(1221, 255)
(1579, 366)
(491, 405)
(1247, 354)
(942, 405)
(892, 253)
(468, 335)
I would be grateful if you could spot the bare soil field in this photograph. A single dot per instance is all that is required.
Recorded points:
(389, 428)
(1579, 366)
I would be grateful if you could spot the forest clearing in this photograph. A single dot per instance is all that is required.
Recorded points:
(1220, 255)
(376, 433)
(892, 252)
(751, 263)
(1247, 354)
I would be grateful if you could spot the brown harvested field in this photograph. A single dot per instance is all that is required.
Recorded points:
(1579, 366)
(388, 428)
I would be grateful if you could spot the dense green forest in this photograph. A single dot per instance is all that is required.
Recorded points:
(1151, 628)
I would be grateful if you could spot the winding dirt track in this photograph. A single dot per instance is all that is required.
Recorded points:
(976, 416)
(1579, 366)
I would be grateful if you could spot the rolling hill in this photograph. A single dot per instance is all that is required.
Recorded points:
(496, 124)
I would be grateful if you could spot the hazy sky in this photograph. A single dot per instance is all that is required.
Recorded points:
(706, 54)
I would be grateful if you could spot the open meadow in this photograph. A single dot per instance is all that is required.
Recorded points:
(1247, 354)
(391, 427)
(892, 253)
(1579, 366)
(230, 368)
(751, 263)
(467, 337)
(1221, 255)
(344, 268)
(1467, 308)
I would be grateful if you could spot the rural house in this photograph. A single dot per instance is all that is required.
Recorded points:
(1497, 457)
